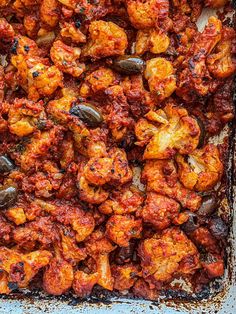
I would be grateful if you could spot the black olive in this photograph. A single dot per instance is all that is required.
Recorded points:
(6, 164)
(128, 65)
(218, 228)
(8, 195)
(209, 204)
(192, 224)
(88, 114)
(202, 132)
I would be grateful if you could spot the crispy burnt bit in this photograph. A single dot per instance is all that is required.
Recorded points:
(142, 289)
(122, 228)
(21, 268)
(161, 176)
(125, 200)
(118, 118)
(195, 78)
(99, 247)
(106, 39)
(161, 211)
(175, 131)
(6, 35)
(166, 255)
(124, 276)
(58, 276)
(202, 169)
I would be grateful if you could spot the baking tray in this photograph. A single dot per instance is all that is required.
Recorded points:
(220, 298)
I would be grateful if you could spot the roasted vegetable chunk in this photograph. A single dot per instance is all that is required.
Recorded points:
(83, 283)
(202, 170)
(125, 276)
(168, 254)
(106, 39)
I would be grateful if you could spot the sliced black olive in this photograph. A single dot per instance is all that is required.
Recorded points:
(8, 195)
(88, 114)
(6, 164)
(209, 204)
(128, 65)
(192, 224)
(218, 228)
(202, 132)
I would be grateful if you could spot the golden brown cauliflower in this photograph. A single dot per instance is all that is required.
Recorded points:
(91, 193)
(159, 73)
(66, 58)
(83, 283)
(122, 228)
(124, 276)
(202, 169)
(177, 132)
(222, 62)
(153, 40)
(21, 268)
(147, 13)
(161, 211)
(122, 201)
(106, 39)
(161, 176)
(98, 170)
(58, 276)
(49, 12)
(70, 31)
(168, 254)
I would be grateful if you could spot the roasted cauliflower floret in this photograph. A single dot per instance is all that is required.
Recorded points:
(83, 283)
(70, 31)
(168, 254)
(178, 133)
(16, 215)
(201, 170)
(49, 12)
(106, 39)
(147, 13)
(66, 58)
(124, 276)
(161, 79)
(97, 81)
(122, 201)
(222, 62)
(161, 211)
(58, 276)
(120, 229)
(23, 116)
(90, 193)
(6, 35)
(152, 40)
(21, 268)
(98, 170)
(161, 176)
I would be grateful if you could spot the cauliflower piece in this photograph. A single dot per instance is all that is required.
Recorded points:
(161, 176)
(204, 239)
(222, 63)
(166, 255)
(58, 276)
(16, 215)
(21, 268)
(142, 290)
(89, 193)
(122, 201)
(161, 211)
(43, 81)
(124, 276)
(179, 133)
(4, 3)
(70, 31)
(122, 228)
(160, 76)
(23, 116)
(215, 4)
(144, 131)
(39, 233)
(49, 12)
(202, 169)
(6, 35)
(81, 222)
(83, 283)
(4, 284)
(98, 170)
(152, 40)
(66, 58)
(97, 81)
(147, 13)
(106, 39)
(99, 247)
